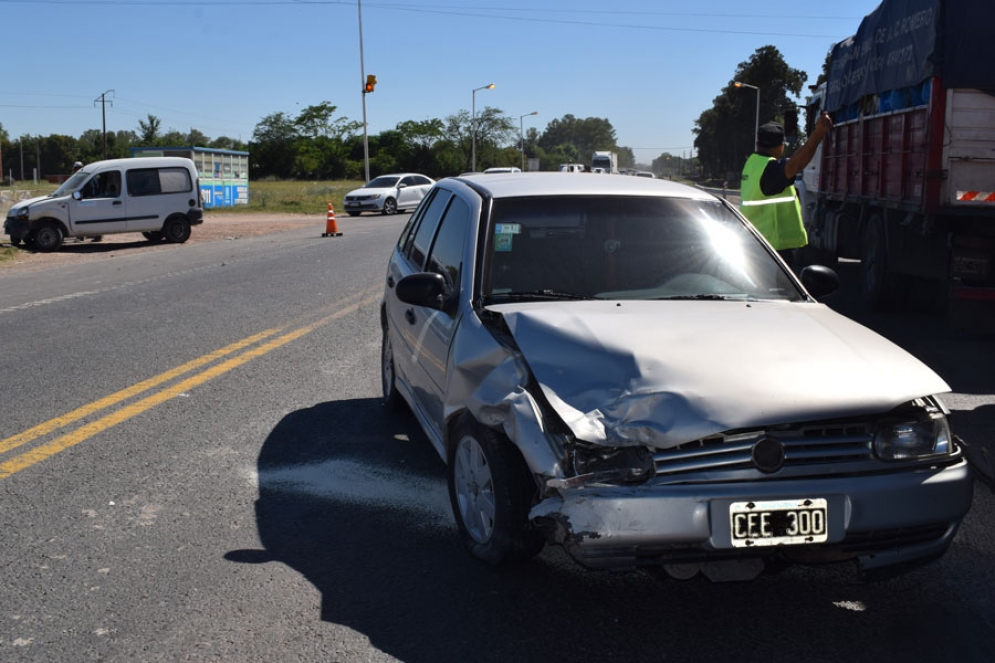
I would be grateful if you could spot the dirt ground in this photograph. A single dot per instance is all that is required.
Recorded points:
(216, 227)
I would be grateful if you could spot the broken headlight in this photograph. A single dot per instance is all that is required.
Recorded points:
(911, 439)
(611, 465)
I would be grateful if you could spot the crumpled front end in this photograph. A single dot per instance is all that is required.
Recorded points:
(655, 477)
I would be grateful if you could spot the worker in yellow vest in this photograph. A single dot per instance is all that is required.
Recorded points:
(767, 193)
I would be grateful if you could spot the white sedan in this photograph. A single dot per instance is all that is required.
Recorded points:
(388, 194)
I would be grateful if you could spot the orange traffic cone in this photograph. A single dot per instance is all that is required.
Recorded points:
(331, 226)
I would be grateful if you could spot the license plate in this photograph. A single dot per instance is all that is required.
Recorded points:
(349, 204)
(779, 522)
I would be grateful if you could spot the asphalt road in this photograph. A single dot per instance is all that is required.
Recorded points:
(194, 465)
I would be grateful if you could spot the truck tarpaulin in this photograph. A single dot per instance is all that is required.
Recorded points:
(903, 43)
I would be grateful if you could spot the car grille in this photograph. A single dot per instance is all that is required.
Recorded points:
(808, 449)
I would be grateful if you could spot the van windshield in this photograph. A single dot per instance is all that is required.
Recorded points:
(70, 185)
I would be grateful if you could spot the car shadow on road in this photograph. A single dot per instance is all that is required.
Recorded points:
(354, 499)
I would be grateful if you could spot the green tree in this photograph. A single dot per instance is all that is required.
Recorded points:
(196, 139)
(586, 135)
(493, 129)
(149, 131)
(725, 133)
(271, 151)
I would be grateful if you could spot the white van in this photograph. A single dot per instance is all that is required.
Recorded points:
(156, 196)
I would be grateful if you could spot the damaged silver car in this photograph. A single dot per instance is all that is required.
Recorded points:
(624, 367)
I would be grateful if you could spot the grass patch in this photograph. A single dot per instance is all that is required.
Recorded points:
(293, 197)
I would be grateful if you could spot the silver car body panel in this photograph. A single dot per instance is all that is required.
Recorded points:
(619, 375)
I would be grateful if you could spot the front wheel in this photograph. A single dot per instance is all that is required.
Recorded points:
(47, 237)
(176, 230)
(390, 206)
(491, 492)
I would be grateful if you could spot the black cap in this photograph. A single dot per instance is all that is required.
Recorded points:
(770, 135)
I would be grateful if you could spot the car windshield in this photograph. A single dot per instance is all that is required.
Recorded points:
(70, 185)
(626, 248)
(382, 182)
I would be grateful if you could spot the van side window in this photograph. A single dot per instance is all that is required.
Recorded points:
(102, 185)
(151, 181)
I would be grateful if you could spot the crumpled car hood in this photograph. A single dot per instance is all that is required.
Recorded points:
(627, 373)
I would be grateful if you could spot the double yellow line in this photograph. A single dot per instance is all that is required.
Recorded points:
(63, 442)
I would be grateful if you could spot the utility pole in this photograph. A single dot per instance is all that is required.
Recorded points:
(103, 112)
(362, 76)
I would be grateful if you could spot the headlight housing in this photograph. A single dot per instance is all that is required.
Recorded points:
(22, 214)
(913, 439)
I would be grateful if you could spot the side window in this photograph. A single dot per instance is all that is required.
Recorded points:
(421, 180)
(420, 243)
(143, 182)
(447, 251)
(103, 185)
(174, 180)
(408, 181)
(404, 241)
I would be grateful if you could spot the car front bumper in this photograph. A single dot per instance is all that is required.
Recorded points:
(362, 206)
(880, 520)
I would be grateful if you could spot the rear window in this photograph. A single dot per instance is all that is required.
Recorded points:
(152, 181)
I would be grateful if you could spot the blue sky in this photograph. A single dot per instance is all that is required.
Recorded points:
(648, 66)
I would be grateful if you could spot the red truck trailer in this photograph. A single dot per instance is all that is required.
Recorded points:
(906, 179)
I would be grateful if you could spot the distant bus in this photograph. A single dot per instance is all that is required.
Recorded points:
(224, 174)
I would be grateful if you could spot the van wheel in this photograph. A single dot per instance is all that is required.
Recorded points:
(154, 236)
(176, 230)
(48, 237)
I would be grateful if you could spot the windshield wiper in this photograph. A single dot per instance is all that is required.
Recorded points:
(709, 297)
(544, 294)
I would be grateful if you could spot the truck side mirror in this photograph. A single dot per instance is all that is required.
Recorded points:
(791, 125)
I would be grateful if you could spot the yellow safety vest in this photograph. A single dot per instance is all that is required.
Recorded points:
(777, 217)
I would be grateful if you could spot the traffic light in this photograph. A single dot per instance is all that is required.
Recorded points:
(371, 82)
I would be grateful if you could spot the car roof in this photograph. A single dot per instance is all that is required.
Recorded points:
(514, 185)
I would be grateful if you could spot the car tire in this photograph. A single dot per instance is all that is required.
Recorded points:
(176, 229)
(388, 376)
(47, 237)
(389, 206)
(491, 492)
(155, 236)
(882, 289)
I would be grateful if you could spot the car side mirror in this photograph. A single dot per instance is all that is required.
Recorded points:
(820, 280)
(77, 195)
(422, 289)
(402, 186)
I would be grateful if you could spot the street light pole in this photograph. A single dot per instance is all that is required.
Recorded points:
(521, 135)
(473, 126)
(756, 130)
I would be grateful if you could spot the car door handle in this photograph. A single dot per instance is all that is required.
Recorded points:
(409, 315)
(116, 202)
(390, 280)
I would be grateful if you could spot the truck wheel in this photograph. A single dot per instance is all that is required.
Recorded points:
(176, 229)
(882, 288)
(47, 237)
